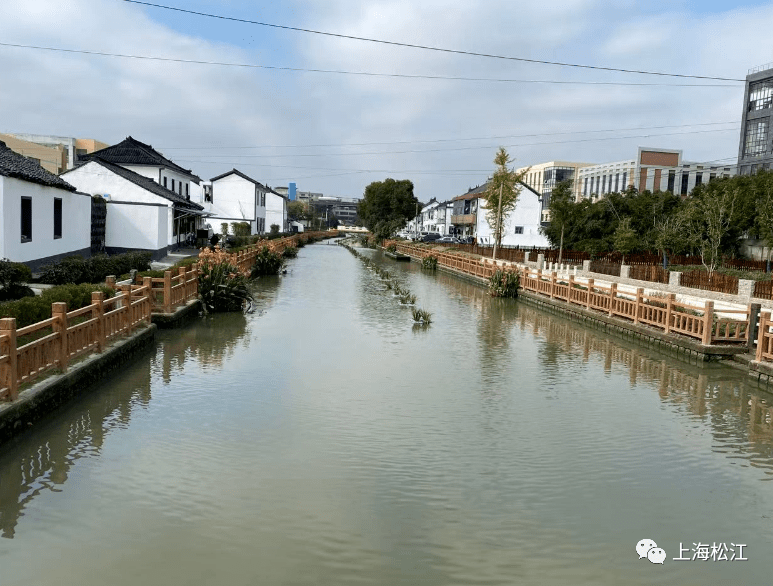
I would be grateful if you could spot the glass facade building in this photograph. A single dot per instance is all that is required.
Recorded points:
(755, 148)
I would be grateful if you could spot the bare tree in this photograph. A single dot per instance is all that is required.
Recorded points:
(708, 216)
(502, 195)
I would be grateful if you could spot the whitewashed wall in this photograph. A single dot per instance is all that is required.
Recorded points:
(234, 200)
(76, 222)
(526, 214)
(131, 226)
(276, 212)
(93, 178)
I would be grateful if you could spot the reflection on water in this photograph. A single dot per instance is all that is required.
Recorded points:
(324, 439)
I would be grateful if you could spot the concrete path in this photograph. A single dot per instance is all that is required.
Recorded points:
(174, 257)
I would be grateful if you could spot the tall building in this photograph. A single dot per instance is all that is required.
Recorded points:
(544, 177)
(652, 169)
(755, 148)
(68, 148)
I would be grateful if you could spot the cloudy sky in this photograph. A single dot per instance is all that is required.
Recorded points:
(336, 132)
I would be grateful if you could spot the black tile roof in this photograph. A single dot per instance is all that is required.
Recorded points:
(477, 191)
(20, 167)
(146, 183)
(240, 174)
(130, 151)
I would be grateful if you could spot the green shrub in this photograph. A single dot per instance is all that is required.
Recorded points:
(266, 263)
(76, 269)
(34, 309)
(12, 277)
(504, 283)
(392, 248)
(274, 228)
(290, 252)
(223, 288)
(421, 316)
(429, 262)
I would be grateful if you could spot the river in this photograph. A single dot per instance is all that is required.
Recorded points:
(324, 439)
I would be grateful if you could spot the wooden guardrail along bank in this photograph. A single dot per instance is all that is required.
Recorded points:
(661, 312)
(28, 352)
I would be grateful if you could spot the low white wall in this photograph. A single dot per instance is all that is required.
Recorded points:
(136, 226)
(76, 221)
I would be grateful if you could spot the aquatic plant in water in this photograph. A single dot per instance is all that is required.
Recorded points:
(429, 262)
(421, 316)
(504, 283)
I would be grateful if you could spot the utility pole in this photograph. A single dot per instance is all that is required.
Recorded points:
(499, 223)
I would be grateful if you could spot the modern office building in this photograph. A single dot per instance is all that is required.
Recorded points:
(652, 169)
(755, 148)
(544, 177)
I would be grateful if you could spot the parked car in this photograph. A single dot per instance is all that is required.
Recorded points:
(431, 237)
(448, 239)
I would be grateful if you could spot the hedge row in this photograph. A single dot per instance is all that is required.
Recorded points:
(34, 309)
(75, 269)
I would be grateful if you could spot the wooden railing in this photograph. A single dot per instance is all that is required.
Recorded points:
(28, 352)
(764, 338)
(665, 313)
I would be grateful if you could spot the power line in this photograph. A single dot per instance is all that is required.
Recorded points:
(427, 47)
(221, 147)
(361, 73)
(470, 148)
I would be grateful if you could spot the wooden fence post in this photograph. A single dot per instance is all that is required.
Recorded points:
(167, 291)
(764, 322)
(570, 290)
(184, 279)
(110, 282)
(553, 277)
(97, 300)
(669, 310)
(8, 328)
(590, 292)
(612, 297)
(59, 313)
(147, 282)
(708, 322)
(751, 332)
(637, 306)
(126, 303)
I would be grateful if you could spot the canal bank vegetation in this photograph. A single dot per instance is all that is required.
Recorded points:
(504, 283)
(404, 295)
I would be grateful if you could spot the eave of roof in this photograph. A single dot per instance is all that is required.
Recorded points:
(17, 166)
(131, 151)
(240, 174)
(144, 182)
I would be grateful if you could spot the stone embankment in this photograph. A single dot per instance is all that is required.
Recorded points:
(700, 325)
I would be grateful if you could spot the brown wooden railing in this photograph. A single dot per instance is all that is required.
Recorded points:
(664, 313)
(652, 273)
(764, 338)
(763, 290)
(28, 352)
(714, 282)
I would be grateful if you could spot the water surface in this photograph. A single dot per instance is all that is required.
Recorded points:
(325, 440)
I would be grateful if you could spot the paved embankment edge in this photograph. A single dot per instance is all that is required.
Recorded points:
(672, 344)
(179, 318)
(51, 394)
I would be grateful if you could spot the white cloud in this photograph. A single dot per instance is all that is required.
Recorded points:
(170, 104)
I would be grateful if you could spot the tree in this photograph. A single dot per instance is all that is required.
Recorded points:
(501, 195)
(296, 211)
(626, 240)
(386, 206)
(562, 208)
(709, 213)
(764, 215)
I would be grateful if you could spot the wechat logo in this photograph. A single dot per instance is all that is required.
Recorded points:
(647, 548)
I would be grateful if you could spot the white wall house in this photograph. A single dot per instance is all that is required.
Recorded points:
(429, 217)
(143, 160)
(521, 227)
(42, 217)
(236, 197)
(276, 210)
(140, 214)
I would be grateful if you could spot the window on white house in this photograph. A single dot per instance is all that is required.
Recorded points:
(164, 181)
(172, 184)
(57, 217)
(187, 190)
(519, 229)
(26, 219)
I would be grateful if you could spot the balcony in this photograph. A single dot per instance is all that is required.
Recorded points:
(463, 219)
